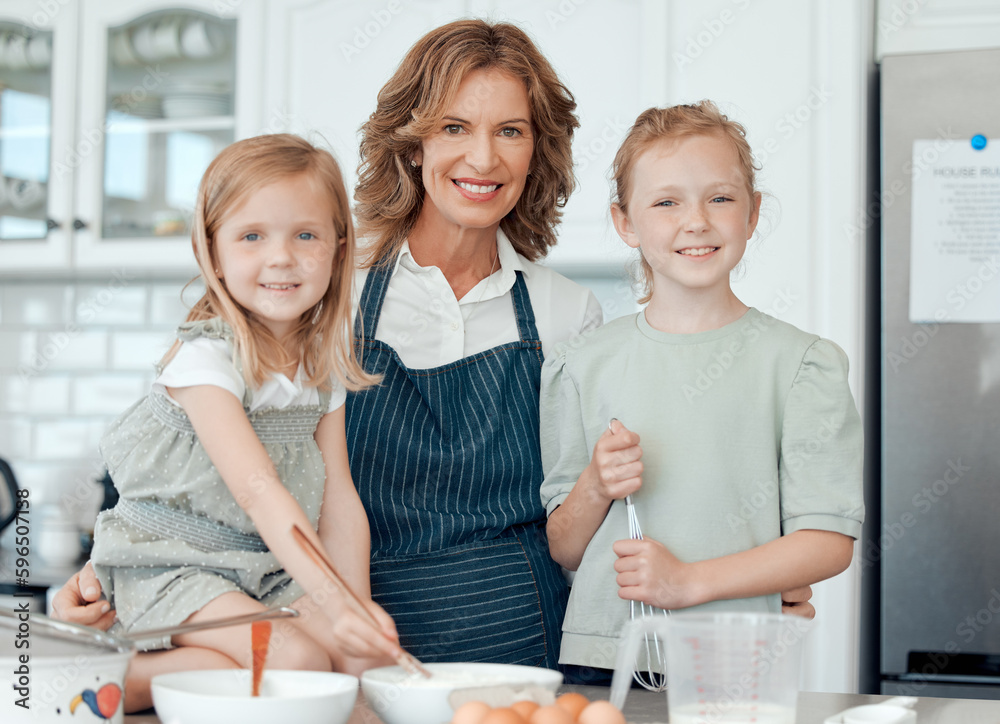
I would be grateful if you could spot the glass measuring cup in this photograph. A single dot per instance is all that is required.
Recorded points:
(721, 667)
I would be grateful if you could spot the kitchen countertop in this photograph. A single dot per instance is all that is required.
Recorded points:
(644, 707)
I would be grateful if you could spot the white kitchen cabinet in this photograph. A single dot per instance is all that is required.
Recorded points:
(37, 122)
(143, 96)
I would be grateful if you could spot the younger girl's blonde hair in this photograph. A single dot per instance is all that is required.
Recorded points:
(323, 334)
(658, 124)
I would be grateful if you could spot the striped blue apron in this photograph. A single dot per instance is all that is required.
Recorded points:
(448, 465)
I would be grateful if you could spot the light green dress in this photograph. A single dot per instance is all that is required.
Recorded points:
(178, 539)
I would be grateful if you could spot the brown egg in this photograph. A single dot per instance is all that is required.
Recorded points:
(524, 708)
(503, 715)
(572, 702)
(471, 712)
(601, 712)
(551, 715)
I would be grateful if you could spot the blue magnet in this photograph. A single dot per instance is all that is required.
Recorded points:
(979, 142)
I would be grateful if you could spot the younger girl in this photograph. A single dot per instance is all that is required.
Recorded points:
(747, 478)
(242, 435)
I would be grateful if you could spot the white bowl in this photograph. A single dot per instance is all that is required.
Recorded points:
(213, 697)
(401, 698)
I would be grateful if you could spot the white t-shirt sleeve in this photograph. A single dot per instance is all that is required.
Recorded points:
(202, 361)
(338, 396)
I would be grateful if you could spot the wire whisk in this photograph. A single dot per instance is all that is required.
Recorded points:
(651, 679)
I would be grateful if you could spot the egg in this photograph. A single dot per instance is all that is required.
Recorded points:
(471, 712)
(601, 712)
(525, 708)
(503, 715)
(551, 715)
(572, 702)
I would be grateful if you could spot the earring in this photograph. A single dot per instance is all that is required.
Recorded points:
(413, 163)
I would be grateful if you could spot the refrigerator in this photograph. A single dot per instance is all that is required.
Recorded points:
(931, 554)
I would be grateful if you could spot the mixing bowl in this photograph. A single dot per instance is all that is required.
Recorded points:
(401, 698)
(211, 697)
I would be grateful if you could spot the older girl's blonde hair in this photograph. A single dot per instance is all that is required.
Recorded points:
(390, 191)
(323, 333)
(657, 124)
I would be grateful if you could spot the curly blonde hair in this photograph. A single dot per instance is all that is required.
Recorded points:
(323, 333)
(390, 192)
(657, 124)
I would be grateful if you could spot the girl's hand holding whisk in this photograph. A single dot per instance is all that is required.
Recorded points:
(615, 471)
(615, 468)
(650, 573)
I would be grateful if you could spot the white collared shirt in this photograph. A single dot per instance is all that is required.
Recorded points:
(428, 327)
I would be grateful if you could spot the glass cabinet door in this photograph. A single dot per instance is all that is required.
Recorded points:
(25, 131)
(168, 112)
(37, 125)
(163, 89)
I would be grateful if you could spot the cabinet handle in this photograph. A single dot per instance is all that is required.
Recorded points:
(52, 224)
(78, 224)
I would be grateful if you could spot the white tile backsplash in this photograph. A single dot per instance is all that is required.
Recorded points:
(67, 439)
(139, 351)
(108, 394)
(107, 304)
(74, 349)
(167, 308)
(68, 483)
(19, 349)
(36, 304)
(37, 394)
(74, 354)
(15, 438)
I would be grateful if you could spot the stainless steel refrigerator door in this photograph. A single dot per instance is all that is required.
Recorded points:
(940, 537)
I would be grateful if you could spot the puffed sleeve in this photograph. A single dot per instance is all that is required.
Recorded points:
(203, 361)
(821, 447)
(338, 395)
(564, 446)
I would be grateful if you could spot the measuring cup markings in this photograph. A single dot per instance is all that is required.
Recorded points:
(722, 667)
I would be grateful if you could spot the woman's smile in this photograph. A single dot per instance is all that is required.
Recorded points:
(476, 190)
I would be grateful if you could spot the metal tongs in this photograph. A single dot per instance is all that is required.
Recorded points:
(66, 631)
(406, 660)
(652, 680)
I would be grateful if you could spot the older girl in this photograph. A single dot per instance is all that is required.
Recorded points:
(738, 438)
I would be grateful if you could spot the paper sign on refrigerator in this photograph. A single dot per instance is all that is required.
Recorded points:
(955, 232)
